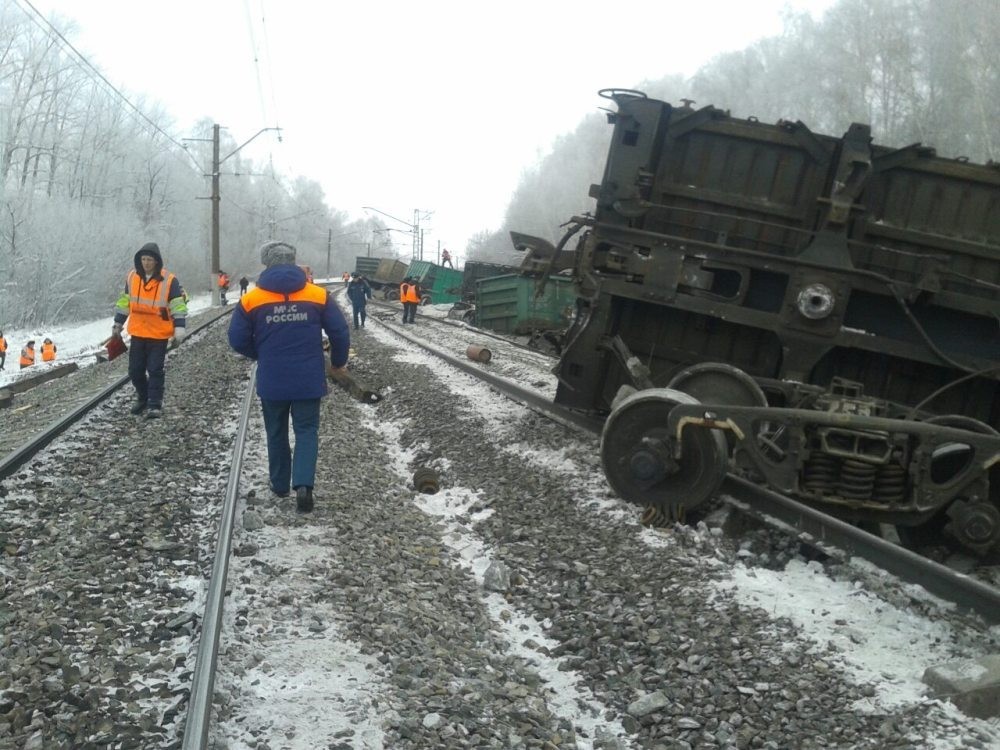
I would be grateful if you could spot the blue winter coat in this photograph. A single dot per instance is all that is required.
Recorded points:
(280, 324)
(357, 292)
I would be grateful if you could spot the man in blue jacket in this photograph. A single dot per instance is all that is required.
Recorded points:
(280, 323)
(358, 292)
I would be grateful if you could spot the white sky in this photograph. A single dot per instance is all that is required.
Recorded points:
(436, 105)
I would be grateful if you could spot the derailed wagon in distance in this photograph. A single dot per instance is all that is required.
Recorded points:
(818, 313)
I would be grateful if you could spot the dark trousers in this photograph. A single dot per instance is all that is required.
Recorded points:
(409, 312)
(3, 359)
(145, 368)
(284, 470)
(359, 312)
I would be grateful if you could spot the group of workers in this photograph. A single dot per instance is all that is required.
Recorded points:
(359, 291)
(28, 355)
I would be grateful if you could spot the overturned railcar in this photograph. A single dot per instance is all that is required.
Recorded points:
(819, 313)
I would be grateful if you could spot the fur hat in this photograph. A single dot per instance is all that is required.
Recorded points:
(277, 253)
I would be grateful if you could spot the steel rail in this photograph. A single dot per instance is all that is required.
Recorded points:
(463, 326)
(825, 531)
(531, 399)
(20, 456)
(203, 681)
(816, 527)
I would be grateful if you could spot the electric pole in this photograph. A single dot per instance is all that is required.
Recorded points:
(329, 247)
(215, 215)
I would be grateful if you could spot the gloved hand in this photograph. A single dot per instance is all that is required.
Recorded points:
(179, 335)
(116, 329)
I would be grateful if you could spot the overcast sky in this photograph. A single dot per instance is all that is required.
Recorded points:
(402, 104)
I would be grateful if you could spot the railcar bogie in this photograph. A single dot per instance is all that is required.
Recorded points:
(829, 305)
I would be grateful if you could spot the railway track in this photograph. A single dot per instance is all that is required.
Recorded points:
(809, 525)
(382, 584)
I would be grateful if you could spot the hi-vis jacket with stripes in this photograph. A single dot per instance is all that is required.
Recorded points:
(153, 306)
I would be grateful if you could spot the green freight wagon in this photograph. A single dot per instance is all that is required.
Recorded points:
(507, 304)
(438, 285)
(475, 270)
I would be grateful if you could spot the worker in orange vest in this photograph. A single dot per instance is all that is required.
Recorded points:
(48, 350)
(28, 354)
(223, 286)
(154, 306)
(409, 295)
(3, 350)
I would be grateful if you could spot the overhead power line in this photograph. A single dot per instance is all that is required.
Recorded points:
(35, 16)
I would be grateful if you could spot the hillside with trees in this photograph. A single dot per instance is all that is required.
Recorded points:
(915, 70)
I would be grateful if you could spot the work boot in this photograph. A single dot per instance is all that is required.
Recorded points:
(279, 493)
(304, 499)
(138, 407)
(154, 412)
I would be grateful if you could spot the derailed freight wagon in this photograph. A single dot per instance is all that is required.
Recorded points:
(819, 313)
(512, 304)
(438, 285)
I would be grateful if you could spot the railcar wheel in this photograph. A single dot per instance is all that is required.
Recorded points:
(637, 454)
(718, 383)
(973, 526)
(973, 523)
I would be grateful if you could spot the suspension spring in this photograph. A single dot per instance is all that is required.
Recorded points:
(857, 479)
(820, 473)
(890, 484)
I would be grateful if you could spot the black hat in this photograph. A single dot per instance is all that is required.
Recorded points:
(151, 249)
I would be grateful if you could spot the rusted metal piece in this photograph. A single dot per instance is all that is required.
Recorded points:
(655, 517)
(425, 480)
(478, 353)
(349, 384)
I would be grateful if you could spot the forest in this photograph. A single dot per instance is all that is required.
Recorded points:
(85, 175)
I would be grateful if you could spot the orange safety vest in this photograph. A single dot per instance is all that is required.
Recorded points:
(48, 352)
(3, 345)
(224, 281)
(27, 356)
(408, 293)
(148, 307)
(257, 296)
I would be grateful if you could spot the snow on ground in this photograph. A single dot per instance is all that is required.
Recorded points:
(74, 343)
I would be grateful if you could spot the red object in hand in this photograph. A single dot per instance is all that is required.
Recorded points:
(116, 346)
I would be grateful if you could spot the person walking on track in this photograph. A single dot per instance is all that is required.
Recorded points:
(280, 324)
(153, 304)
(3, 350)
(409, 295)
(358, 292)
(223, 287)
(244, 283)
